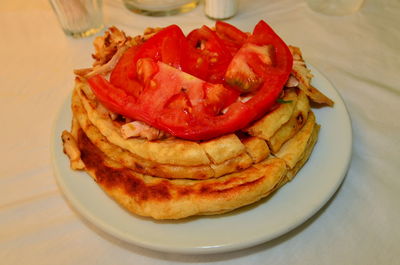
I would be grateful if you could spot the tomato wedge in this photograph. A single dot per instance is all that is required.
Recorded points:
(199, 105)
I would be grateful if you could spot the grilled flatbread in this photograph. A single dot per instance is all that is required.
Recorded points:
(173, 199)
(131, 181)
(172, 178)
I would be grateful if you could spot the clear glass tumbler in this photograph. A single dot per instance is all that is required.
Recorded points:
(335, 7)
(79, 18)
(159, 8)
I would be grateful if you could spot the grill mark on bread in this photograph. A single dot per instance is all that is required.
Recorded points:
(133, 185)
(119, 177)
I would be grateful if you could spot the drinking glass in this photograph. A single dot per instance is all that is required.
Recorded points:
(79, 18)
(160, 7)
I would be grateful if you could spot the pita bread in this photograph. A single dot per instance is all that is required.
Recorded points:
(293, 125)
(174, 199)
(172, 178)
(266, 127)
(162, 198)
(297, 150)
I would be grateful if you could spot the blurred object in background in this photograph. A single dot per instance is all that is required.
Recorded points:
(335, 7)
(79, 18)
(220, 9)
(158, 8)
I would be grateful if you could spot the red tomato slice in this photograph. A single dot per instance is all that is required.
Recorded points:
(229, 32)
(213, 53)
(276, 70)
(172, 88)
(123, 75)
(218, 97)
(146, 68)
(249, 67)
(232, 37)
(196, 109)
(195, 63)
(164, 85)
(114, 98)
(166, 46)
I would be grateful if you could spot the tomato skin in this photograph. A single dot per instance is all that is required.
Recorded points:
(123, 74)
(240, 114)
(212, 51)
(146, 68)
(195, 63)
(218, 97)
(274, 77)
(109, 95)
(262, 34)
(229, 32)
(165, 46)
(232, 37)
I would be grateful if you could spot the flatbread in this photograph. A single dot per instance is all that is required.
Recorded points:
(280, 125)
(223, 148)
(172, 178)
(174, 199)
(297, 150)
(163, 198)
(293, 125)
(196, 190)
(267, 126)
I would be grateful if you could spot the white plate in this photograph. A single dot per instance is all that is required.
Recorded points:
(292, 205)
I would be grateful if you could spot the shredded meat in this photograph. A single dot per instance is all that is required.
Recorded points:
(72, 150)
(149, 32)
(304, 76)
(106, 46)
(292, 82)
(108, 50)
(141, 130)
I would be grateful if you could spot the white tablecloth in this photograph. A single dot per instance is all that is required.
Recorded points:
(358, 53)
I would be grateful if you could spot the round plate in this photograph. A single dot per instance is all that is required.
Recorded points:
(286, 209)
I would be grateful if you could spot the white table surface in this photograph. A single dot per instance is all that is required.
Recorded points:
(359, 53)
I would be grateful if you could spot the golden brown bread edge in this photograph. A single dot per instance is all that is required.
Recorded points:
(162, 198)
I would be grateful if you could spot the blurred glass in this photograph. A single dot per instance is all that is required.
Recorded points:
(160, 7)
(335, 7)
(79, 18)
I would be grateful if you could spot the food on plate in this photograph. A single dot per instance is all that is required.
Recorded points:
(173, 125)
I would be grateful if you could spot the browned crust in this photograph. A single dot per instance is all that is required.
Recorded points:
(162, 198)
(173, 199)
